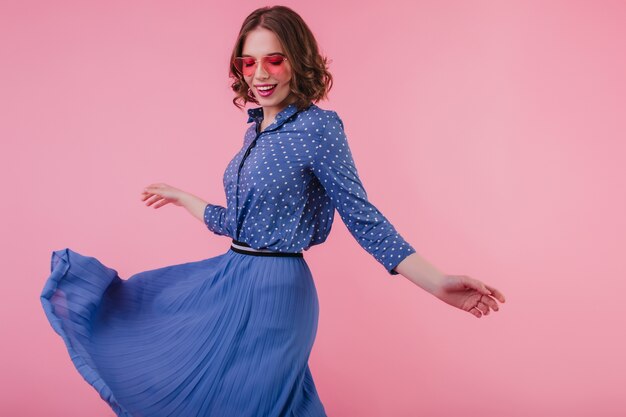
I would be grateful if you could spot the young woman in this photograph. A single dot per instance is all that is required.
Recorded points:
(231, 335)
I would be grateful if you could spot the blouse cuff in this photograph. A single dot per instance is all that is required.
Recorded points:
(395, 259)
(213, 215)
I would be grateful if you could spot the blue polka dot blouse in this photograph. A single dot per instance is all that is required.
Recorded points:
(283, 186)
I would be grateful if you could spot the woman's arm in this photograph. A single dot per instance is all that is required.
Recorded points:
(160, 194)
(213, 215)
(333, 165)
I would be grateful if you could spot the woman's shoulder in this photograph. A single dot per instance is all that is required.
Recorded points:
(321, 124)
(322, 114)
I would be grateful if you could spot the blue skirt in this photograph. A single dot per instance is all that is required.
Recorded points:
(225, 336)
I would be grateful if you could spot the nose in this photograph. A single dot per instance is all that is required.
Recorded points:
(260, 71)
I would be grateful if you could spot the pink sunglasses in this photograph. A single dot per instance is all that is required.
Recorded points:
(246, 65)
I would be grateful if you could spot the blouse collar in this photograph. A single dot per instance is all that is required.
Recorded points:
(256, 114)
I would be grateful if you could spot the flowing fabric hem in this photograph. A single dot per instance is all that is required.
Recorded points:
(59, 266)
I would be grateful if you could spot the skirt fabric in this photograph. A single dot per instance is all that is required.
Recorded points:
(225, 336)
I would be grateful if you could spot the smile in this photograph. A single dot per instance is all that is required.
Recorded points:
(266, 91)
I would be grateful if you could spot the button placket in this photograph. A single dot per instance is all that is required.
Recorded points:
(245, 155)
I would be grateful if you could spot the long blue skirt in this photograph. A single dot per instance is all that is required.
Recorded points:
(225, 336)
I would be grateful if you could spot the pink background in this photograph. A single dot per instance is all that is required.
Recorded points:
(491, 134)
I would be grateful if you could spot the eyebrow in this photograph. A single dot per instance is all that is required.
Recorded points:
(271, 53)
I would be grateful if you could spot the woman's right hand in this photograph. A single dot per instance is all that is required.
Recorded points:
(160, 194)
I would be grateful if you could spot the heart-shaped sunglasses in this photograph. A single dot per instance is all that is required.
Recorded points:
(246, 65)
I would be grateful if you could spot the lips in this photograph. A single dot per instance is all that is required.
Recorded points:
(266, 91)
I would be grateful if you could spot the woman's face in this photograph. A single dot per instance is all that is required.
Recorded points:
(261, 42)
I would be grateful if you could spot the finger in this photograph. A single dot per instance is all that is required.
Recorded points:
(490, 302)
(153, 188)
(476, 285)
(153, 199)
(146, 195)
(483, 308)
(161, 203)
(496, 293)
(476, 312)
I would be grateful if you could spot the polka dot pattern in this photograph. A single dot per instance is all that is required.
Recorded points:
(283, 186)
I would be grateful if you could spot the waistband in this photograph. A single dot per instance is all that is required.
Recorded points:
(244, 248)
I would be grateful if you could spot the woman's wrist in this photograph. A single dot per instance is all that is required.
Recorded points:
(194, 205)
(419, 271)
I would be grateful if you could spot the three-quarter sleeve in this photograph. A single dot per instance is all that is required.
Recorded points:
(335, 168)
(214, 218)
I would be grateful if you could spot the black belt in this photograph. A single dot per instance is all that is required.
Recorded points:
(242, 247)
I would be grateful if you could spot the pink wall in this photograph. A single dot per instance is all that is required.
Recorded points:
(491, 134)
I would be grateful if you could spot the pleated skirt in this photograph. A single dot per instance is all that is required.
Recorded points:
(225, 336)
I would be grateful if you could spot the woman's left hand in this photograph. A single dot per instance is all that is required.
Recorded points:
(469, 294)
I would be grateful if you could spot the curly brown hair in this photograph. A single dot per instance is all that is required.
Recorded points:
(310, 81)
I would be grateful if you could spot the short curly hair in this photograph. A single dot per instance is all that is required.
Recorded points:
(310, 81)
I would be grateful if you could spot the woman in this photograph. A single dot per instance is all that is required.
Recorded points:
(231, 335)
